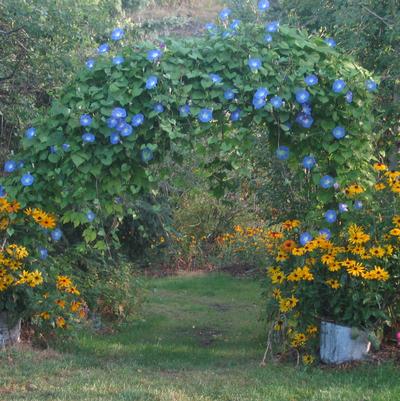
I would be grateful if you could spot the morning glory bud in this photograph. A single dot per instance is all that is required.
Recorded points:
(2, 191)
(235, 24)
(184, 110)
(66, 147)
(27, 180)
(358, 205)
(268, 38)
(147, 154)
(349, 97)
(371, 85)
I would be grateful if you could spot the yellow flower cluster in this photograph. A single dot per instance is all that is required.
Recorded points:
(42, 218)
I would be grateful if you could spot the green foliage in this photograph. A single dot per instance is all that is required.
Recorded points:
(107, 178)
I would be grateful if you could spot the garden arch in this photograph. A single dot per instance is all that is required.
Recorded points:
(102, 138)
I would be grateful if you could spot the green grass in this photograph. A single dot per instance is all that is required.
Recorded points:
(199, 339)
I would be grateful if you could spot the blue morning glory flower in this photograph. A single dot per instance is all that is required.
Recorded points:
(327, 181)
(210, 27)
(120, 125)
(268, 38)
(326, 232)
(56, 234)
(154, 55)
(263, 5)
(302, 96)
(311, 80)
(259, 103)
(151, 82)
(115, 138)
(158, 108)
(330, 42)
(306, 108)
(229, 94)
(309, 162)
(90, 216)
(349, 97)
(118, 112)
(20, 164)
(85, 120)
(104, 48)
(343, 208)
(304, 120)
(30, 133)
(282, 153)
(184, 110)
(225, 13)
(112, 122)
(330, 216)
(235, 24)
(261, 93)
(88, 137)
(215, 78)
(118, 60)
(358, 205)
(205, 115)
(236, 115)
(371, 85)
(272, 27)
(27, 180)
(339, 132)
(305, 238)
(10, 166)
(117, 34)
(276, 102)
(254, 64)
(90, 63)
(66, 147)
(43, 253)
(137, 120)
(338, 85)
(127, 130)
(2, 191)
(146, 154)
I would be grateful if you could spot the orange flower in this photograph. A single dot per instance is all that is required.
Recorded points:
(288, 245)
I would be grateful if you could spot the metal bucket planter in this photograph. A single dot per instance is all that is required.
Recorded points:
(339, 344)
(10, 330)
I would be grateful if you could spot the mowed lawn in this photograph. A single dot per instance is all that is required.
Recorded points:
(200, 339)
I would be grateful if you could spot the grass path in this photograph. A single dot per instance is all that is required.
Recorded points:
(199, 340)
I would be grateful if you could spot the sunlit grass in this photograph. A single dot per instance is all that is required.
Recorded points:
(199, 339)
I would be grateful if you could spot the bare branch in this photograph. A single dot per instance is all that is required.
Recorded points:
(376, 15)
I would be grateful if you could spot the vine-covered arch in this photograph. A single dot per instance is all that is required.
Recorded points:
(102, 139)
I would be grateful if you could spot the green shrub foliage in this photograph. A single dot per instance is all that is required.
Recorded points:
(77, 177)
